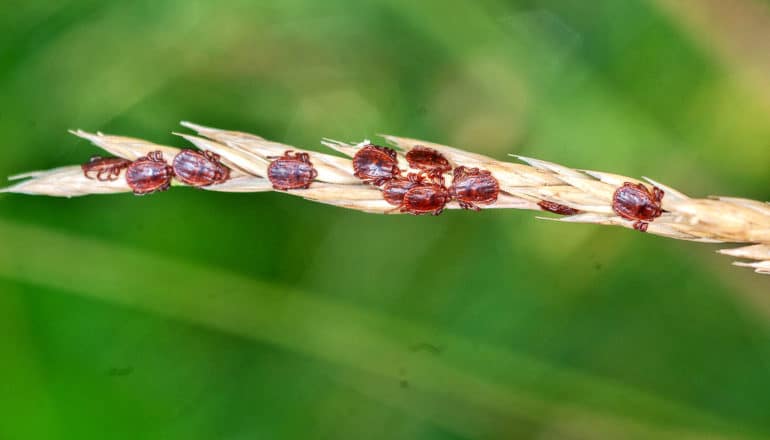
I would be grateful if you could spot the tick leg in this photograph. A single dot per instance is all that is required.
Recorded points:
(214, 157)
(111, 174)
(641, 226)
(658, 194)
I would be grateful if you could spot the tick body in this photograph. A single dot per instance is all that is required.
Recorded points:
(433, 163)
(637, 202)
(376, 165)
(557, 208)
(149, 174)
(472, 185)
(291, 171)
(104, 169)
(199, 168)
(427, 198)
(394, 190)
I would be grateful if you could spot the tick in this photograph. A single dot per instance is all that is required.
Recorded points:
(104, 169)
(199, 168)
(149, 174)
(427, 198)
(433, 163)
(394, 190)
(291, 171)
(637, 202)
(557, 208)
(472, 185)
(376, 165)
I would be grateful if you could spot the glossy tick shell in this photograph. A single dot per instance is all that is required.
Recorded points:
(376, 165)
(557, 208)
(104, 168)
(472, 185)
(291, 171)
(425, 199)
(199, 168)
(637, 202)
(394, 190)
(149, 174)
(428, 160)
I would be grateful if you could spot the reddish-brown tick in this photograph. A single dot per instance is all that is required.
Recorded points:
(291, 171)
(472, 185)
(427, 198)
(433, 163)
(104, 168)
(199, 168)
(556, 208)
(376, 165)
(149, 174)
(394, 190)
(637, 202)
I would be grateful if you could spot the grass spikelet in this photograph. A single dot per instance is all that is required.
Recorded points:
(522, 186)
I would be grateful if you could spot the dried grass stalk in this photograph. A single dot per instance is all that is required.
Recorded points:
(712, 220)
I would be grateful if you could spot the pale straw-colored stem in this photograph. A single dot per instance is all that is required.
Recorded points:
(523, 186)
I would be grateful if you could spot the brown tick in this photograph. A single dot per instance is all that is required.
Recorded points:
(376, 165)
(472, 185)
(291, 171)
(557, 208)
(428, 198)
(199, 168)
(637, 202)
(149, 174)
(104, 168)
(394, 190)
(433, 163)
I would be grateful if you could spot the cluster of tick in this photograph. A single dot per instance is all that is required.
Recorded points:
(424, 192)
(152, 173)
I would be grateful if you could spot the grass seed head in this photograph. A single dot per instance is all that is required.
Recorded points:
(522, 186)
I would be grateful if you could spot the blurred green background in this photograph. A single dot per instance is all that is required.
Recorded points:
(199, 315)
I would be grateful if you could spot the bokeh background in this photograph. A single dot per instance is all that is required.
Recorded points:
(199, 315)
